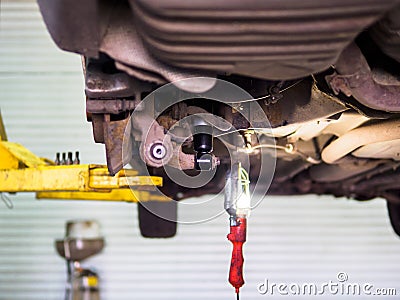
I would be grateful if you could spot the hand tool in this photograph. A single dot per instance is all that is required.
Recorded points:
(237, 204)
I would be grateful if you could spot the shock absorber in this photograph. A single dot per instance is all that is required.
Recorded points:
(203, 146)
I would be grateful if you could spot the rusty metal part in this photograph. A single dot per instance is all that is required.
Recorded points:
(296, 107)
(153, 139)
(350, 102)
(301, 103)
(182, 160)
(166, 121)
(98, 127)
(113, 132)
(355, 79)
(156, 148)
(99, 84)
(364, 135)
(112, 106)
(104, 81)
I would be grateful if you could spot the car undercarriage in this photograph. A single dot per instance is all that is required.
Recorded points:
(308, 91)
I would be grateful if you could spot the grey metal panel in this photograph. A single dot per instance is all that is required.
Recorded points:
(277, 40)
(291, 240)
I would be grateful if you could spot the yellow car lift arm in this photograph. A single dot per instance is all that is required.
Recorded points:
(23, 171)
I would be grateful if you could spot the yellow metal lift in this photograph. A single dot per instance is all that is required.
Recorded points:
(23, 171)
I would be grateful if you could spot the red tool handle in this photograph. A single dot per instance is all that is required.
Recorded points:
(237, 236)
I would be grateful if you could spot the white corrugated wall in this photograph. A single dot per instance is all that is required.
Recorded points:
(290, 239)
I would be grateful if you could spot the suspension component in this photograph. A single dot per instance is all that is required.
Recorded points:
(203, 146)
